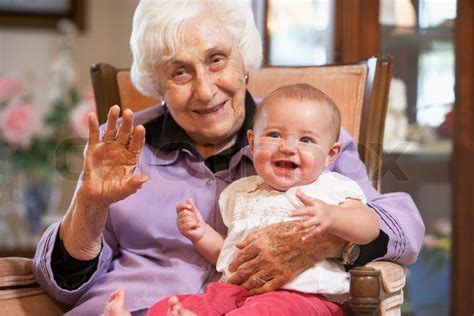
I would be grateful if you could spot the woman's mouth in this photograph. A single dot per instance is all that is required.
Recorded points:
(212, 110)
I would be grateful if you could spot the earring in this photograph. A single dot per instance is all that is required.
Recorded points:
(246, 77)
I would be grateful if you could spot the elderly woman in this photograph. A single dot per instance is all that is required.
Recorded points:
(120, 229)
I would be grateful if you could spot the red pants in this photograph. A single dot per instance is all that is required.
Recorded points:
(229, 299)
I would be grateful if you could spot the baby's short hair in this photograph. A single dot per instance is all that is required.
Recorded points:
(305, 92)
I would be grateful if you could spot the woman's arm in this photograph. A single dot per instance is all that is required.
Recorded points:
(401, 226)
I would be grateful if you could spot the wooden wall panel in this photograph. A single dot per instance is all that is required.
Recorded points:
(356, 30)
(462, 274)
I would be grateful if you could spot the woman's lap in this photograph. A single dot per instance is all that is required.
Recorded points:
(232, 300)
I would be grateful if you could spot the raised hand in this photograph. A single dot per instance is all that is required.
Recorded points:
(110, 163)
(108, 177)
(190, 222)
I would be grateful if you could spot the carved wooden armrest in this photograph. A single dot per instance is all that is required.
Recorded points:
(377, 289)
(19, 292)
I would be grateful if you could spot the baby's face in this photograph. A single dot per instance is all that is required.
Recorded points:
(292, 142)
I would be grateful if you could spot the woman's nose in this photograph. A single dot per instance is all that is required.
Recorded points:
(204, 87)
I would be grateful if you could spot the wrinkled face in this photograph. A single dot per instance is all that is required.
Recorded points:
(203, 84)
(292, 142)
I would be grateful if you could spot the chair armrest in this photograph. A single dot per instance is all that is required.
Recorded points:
(20, 294)
(377, 288)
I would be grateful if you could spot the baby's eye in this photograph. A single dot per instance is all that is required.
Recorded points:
(273, 134)
(307, 140)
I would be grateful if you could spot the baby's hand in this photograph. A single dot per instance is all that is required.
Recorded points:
(190, 222)
(321, 215)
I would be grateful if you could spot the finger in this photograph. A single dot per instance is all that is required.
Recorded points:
(134, 183)
(93, 124)
(310, 222)
(304, 211)
(243, 256)
(306, 200)
(195, 209)
(188, 223)
(137, 140)
(187, 216)
(244, 272)
(313, 231)
(270, 285)
(111, 124)
(246, 242)
(182, 207)
(126, 127)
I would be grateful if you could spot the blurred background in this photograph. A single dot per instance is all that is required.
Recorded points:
(47, 48)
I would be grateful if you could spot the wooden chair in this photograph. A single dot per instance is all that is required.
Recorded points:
(361, 92)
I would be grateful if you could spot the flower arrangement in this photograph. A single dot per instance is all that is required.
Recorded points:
(31, 140)
(28, 140)
(38, 139)
(436, 249)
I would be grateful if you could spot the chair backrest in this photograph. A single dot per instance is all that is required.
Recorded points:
(360, 90)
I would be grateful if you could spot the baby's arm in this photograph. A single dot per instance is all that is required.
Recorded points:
(191, 224)
(351, 220)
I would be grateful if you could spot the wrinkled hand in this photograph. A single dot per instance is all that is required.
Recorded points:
(277, 254)
(321, 215)
(110, 163)
(108, 177)
(190, 222)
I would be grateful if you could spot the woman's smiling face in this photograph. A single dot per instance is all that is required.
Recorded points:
(203, 84)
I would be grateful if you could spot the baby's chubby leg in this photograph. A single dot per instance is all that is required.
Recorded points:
(176, 309)
(116, 305)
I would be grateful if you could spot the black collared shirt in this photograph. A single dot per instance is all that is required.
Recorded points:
(164, 133)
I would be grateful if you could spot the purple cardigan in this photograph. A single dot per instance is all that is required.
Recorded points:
(152, 260)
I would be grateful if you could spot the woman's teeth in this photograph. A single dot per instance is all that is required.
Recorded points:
(211, 110)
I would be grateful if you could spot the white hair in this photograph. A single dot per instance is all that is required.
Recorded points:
(159, 26)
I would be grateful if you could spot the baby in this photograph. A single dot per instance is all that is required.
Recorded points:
(293, 140)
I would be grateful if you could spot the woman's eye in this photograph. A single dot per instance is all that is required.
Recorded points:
(216, 59)
(181, 76)
(273, 134)
(179, 73)
(217, 62)
(306, 139)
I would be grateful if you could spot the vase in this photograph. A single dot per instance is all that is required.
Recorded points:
(39, 194)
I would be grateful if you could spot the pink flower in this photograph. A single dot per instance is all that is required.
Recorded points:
(88, 94)
(19, 123)
(79, 116)
(10, 86)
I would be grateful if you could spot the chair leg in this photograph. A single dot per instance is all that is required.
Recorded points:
(364, 291)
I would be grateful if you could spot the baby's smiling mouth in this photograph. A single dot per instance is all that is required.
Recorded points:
(288, 165)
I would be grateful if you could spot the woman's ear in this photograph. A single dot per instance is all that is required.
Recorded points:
(250, 138)
(333, 153)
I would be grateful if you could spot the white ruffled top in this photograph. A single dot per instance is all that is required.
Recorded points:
(245, 207)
